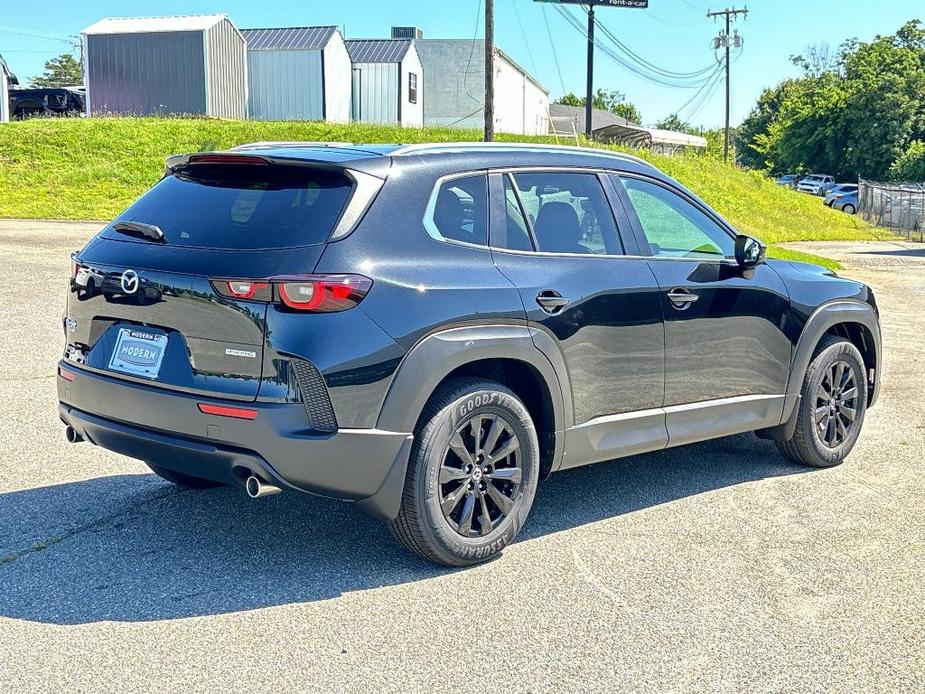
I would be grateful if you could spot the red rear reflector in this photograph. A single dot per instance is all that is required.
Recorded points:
(222, 411)
(66, 375)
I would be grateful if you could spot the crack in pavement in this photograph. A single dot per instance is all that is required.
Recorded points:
(42, 545)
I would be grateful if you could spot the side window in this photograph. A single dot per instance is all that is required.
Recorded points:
(458, 211)
(412, 88)
(568, 212)
(673, 226)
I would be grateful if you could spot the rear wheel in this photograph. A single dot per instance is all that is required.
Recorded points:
(183, 480)
(832, 406)
(472, 474)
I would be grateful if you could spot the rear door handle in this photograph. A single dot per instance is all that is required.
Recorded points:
(551, 301)
(681, 298)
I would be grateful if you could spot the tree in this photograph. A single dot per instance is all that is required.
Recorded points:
(674, 122)
(910, 166)
(851, 115)
(612, 101)
(63, 71)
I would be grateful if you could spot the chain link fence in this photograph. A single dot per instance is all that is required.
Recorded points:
(896, 206)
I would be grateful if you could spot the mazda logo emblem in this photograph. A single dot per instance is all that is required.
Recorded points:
(129, 281)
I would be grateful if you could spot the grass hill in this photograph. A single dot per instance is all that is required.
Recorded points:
(92, 168)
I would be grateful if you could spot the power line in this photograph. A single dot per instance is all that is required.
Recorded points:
(685, 83)
(552, 45)
(523, 33)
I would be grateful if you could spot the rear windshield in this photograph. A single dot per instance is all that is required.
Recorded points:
(242, 207)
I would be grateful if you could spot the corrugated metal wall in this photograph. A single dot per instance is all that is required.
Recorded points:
(161, 72)
(227, 71)
(375, 92)
(285, 85)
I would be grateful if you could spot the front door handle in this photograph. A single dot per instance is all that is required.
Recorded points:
(551, 301)
(681, 298)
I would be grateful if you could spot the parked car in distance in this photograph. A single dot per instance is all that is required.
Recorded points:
(57, 101)
(429, 331)
(847, 202)
(838, 191)
(816, 184)
(786, 180)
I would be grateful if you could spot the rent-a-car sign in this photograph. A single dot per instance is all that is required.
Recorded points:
(639, 4)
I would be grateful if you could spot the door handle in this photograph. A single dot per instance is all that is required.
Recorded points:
(551, 301)
(681, 298)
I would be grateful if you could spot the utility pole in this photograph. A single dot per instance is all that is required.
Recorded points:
(589, 91)
(725, 41)
(589, 6)
(489, 70)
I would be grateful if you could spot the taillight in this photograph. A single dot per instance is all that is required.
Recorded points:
(75, 266)
(247, 289)
(310, 293)
(324, 293)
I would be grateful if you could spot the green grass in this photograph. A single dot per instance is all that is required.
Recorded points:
(92, 168)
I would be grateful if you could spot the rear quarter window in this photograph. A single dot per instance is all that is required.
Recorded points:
(242, 207)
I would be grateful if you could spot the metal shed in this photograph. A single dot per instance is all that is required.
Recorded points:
(387, 82)
(6, 79)
(298, 73)
(152, 65)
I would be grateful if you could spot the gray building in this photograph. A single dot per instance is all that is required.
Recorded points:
(152, 65)
(454, 81)
(298, 73)
(387, 82)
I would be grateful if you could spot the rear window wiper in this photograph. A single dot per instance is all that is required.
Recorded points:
(140, 230)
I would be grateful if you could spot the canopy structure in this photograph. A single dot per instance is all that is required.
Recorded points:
(609, 127)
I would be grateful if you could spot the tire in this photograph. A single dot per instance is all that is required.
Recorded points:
(809, 444)
(182, 480)
(448, 425)
(848, 208)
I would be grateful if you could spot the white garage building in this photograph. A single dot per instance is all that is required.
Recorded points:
(298, 73)
(387, 82)
(6, 79)
(454, 80)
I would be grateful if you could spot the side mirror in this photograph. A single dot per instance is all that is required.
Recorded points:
(749, 251)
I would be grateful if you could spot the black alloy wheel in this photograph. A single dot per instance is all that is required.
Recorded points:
(480, 476)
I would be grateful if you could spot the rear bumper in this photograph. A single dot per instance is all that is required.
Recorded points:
(167, 429)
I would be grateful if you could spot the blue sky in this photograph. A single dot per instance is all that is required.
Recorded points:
(672, 34)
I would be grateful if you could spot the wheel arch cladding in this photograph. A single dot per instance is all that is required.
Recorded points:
(504, 353)
(854, 320)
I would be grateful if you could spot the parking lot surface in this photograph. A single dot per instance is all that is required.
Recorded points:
(714, 567)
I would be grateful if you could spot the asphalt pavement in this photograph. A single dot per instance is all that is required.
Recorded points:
(716, 567)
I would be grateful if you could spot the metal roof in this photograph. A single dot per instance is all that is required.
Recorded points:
(378, 50)
(144, 25)
(288, 38)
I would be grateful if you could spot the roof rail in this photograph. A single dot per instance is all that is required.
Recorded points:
(447, 147)
(282, 144)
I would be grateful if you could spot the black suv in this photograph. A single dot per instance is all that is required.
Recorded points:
(431, 330)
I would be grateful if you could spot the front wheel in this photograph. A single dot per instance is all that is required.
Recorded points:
(472, 474)
(848, 208)
(832, 406)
